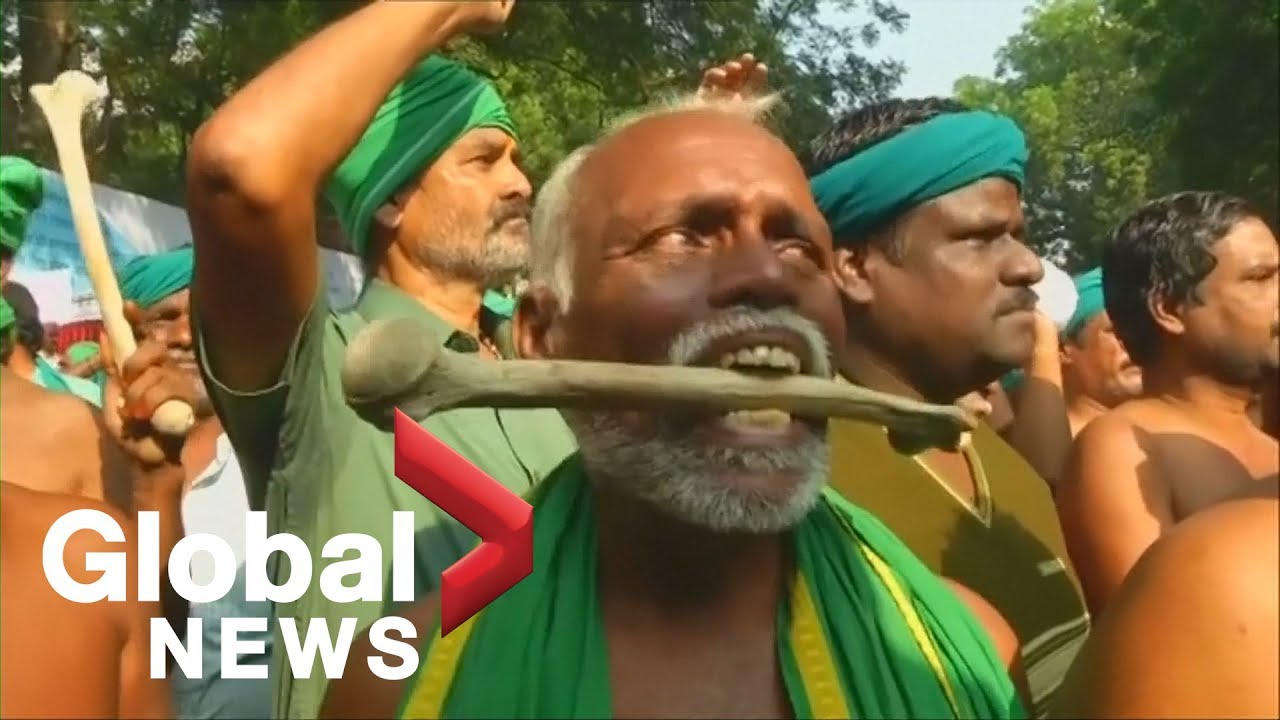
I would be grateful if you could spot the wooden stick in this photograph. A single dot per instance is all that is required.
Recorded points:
(63, 104)
(397, 363)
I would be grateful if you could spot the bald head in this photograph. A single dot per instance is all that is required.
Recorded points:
(691, 233)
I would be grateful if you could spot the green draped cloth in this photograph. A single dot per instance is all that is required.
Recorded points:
(434, 105)
(868, 189)
(1089, 301)
(148, 279)
(51, 378)
(21, 192)
(868, 631)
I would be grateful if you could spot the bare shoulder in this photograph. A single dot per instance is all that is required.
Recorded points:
(359, 693)
(38, 511)
(1216, 578)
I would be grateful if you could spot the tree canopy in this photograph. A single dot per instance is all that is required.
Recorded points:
(1125, 100)
(566, 68)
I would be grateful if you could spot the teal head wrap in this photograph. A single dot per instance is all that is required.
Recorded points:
(21, 192)
(1089, 303)
(437, 103)
(148, 279)
(860, 193)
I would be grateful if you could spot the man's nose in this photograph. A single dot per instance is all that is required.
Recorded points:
(748, 271)
(515, 184)
(1021, 267)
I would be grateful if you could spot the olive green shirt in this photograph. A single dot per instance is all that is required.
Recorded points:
(1006, 545)
(322, 470)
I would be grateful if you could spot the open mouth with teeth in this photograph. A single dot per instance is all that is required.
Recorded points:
(765, 355)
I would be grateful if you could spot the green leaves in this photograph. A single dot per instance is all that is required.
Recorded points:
(566, 68)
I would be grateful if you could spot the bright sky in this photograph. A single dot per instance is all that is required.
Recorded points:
(946, 40)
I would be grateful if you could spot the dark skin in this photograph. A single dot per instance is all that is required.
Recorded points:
(1188, 443)
(1097, 372)
(1214, 578)
(677, 599)
(253, 178)
(62, 658)
(967, 246)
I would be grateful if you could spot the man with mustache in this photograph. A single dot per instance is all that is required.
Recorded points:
(1190, 282)
(924, 202)
(694, 565)
(1097, 374)
(420, 161)
(203, 490)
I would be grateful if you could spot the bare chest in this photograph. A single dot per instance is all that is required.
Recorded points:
(704, 674)
(1206, 470)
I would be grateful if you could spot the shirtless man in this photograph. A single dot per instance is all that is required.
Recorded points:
(61, 658)
(1097, 373)
(688, 236)
(1214, 579)
(1190, 283)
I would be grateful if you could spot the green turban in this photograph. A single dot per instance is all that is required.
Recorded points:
(8, 318)
(437, 103)
(148, 279)
(1089, 301)
(21, 192)
(862, 192)
(82, 351)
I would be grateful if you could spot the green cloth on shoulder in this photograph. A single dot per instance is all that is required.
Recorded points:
(1089, 301)
(21, 192)
(846, 640)
(437, 103)
(862, 192)
(148, 279)
(51, 378)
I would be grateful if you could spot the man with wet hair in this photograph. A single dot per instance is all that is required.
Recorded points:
(1097, 374)
(695, 565)
(924, 202)
(1190, 282)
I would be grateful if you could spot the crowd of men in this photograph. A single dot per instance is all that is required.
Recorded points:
(1103, 545)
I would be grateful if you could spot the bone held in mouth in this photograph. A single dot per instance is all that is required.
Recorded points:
(397, 363)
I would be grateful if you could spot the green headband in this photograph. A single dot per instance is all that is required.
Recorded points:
(1089, 301)
(82, 351)
(148, 279)
(8, 318)
(861, 193)
(21, 192)
(437, 103)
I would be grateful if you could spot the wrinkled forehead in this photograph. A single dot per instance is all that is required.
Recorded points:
(1249, 244)
(660, 164)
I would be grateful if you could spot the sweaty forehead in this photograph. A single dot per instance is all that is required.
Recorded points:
(665, 159)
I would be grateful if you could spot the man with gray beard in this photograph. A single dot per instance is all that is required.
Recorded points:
(420, 161)
(693, 564)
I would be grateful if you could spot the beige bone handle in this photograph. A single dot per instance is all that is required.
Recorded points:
(397, 363)
(63, 104)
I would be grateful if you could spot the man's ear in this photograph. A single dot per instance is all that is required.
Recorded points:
(388, 216)
(1167, 313)
(851, 274)
(536, 327)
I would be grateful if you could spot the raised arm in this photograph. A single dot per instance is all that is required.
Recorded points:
(1113, 504)
(256, 166)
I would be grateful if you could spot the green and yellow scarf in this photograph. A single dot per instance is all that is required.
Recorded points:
(868, 631)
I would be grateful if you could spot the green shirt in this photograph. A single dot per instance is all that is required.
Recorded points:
(323, 470)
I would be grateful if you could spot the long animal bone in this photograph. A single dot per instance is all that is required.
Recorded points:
(396, 363)
(63, 104)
